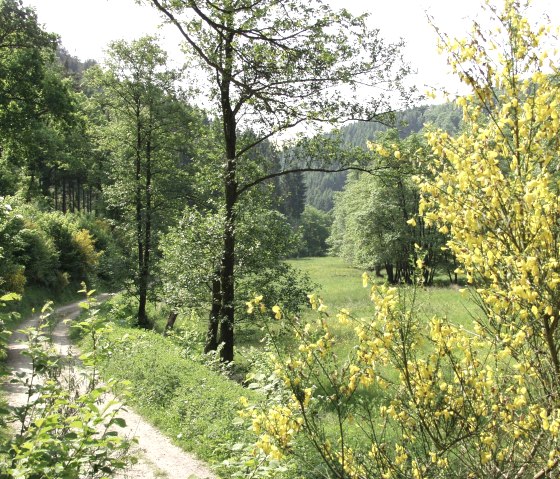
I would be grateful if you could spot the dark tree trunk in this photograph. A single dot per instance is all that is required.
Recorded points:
(30, 187)
(147, 227)
(143, 321)
(390, 273)
(214, 318)
(64, 204)
(378, 273)
(226, 338)
(142, 279)
(170, 321)
(71, 196)
(78, 193)
(227, 280)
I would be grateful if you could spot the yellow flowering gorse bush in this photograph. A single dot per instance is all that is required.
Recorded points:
(431, 399)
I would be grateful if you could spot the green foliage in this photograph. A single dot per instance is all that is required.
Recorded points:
(110, 260)
(66, 426)
(4, 333)
(76, 261)
(320, 188)
(314, 229)
(144, 127)
(51, 250)
(45, 150)
(24, 49)
(192, 404)
(372, 215)
(191, 255)
(290, 193)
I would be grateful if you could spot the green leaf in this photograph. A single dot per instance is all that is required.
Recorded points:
(119, 421)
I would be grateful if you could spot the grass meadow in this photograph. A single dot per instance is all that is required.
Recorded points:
(341, 287)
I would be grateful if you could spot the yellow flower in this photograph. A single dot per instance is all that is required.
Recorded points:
(277, 312)
(365, 279)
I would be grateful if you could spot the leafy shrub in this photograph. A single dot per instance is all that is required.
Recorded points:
(113, 265)
(36, 252)
(26, 249)
(63, 428)
(55, 249)
(85, 245)
(61, 229)
(15, 280)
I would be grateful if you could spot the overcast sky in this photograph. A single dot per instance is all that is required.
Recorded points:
(87, 26)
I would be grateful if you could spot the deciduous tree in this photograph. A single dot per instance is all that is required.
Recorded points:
(271, 65)
(145, 128)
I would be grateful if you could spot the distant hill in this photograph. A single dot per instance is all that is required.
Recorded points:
(320, 187)
(73, 65)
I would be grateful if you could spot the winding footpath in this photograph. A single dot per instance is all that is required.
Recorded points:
(158, 457)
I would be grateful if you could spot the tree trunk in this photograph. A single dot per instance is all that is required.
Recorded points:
(227, 280)
(56, 195)
(143, 321)
(78, 192)
(214, 319)
(71, 196)
(170, 321)
(142, 278)
(227, 315)
(390, 273)
(145, 271)
(64, 205)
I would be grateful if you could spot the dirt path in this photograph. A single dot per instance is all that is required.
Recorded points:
(158, 458)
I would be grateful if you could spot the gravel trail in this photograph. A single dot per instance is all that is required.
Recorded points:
(158, 457)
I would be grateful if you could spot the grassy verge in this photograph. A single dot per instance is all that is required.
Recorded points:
(194, 405)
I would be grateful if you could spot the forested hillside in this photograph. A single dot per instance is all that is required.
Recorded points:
(320, 188)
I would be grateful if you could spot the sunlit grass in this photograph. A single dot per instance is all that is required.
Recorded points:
(341, 287)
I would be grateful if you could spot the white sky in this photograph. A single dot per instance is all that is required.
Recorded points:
(87, 26)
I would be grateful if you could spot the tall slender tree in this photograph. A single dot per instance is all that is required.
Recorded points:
(272, 65)
(145, 127)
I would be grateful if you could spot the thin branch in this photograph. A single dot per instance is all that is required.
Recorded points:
(270, 176)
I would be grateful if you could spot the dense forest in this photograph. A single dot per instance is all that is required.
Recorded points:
(208, 223)
(320, 188)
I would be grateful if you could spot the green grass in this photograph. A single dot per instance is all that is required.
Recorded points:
(192, 404)
(197, 406)
(341, 287)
